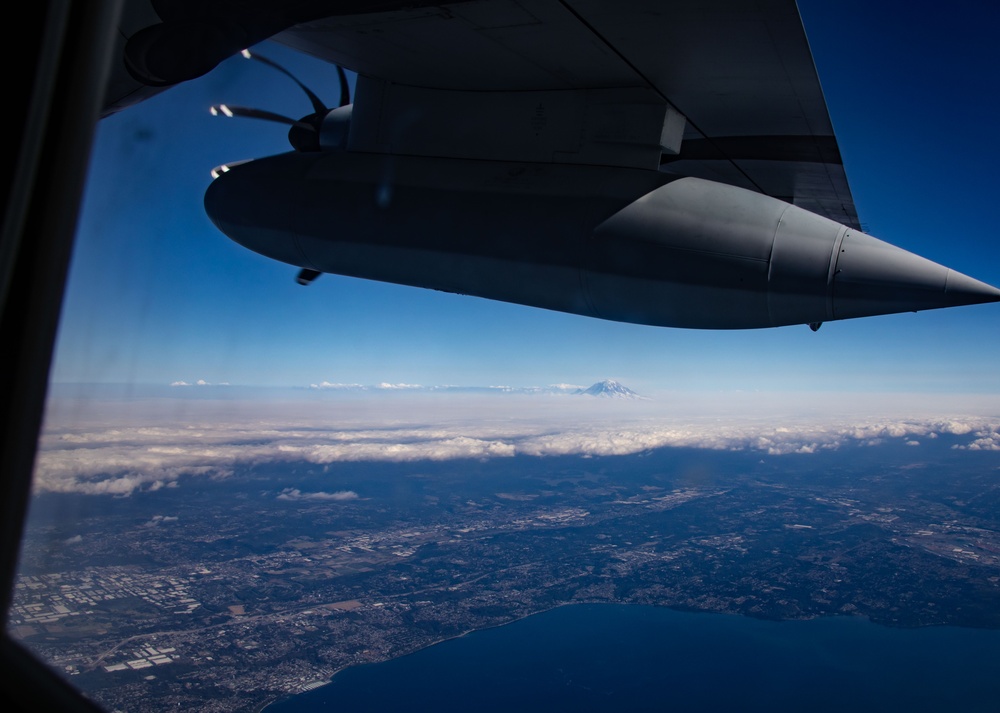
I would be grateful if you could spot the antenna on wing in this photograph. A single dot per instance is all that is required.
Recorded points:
(304, 134)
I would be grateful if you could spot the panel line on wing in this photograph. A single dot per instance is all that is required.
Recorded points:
(651, 84)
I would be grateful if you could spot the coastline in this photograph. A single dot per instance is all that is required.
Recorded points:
(281, 699)
(801, 653)
(683, 610)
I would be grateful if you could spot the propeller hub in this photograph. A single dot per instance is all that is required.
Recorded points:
(304, 134)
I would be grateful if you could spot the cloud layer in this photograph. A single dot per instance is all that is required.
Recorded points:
(123, 450)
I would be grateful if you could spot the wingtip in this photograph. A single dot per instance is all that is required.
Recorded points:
(970, 290)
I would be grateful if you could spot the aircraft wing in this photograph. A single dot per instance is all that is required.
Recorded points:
(746, 105)
(740, 74)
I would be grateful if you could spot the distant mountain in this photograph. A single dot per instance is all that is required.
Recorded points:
(610, 389)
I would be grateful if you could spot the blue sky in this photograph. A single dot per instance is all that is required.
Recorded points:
(157, 294)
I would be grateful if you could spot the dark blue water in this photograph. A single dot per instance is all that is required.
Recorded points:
(633, 658)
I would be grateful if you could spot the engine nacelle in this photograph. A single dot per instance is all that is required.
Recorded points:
(616, 243)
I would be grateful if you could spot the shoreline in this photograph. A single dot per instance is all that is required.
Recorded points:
(280, 699)
(865, 620)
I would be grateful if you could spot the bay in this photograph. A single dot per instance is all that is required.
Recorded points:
(609, 657)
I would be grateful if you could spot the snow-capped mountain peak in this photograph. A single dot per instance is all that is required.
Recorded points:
(610, 389)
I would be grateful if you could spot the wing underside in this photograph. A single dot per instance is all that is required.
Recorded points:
(734, 81)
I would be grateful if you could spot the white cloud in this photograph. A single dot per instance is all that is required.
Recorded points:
(125, 450)
(179, 383)
(296, 494)
(985, 440)
(956, 428)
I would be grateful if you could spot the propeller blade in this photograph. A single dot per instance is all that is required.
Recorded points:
(305, 133)
(228, 110)
(345, 91)
(318, 106)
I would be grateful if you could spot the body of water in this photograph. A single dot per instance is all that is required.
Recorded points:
(607, 657)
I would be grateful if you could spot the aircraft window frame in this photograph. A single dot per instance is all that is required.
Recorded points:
(55, 100)
(60, 112)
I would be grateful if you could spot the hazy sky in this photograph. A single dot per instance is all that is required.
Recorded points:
(157, 294)
(122, 446)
